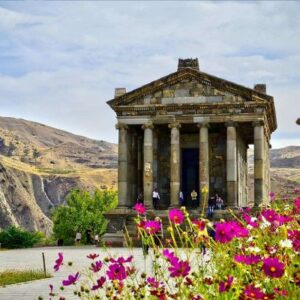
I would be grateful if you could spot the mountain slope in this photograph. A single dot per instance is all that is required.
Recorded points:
(39, 165)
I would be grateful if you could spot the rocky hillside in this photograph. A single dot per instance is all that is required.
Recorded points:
(39, 165)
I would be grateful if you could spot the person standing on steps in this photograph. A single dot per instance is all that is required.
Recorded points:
(181, 199)
(155, 199)
(194, 197)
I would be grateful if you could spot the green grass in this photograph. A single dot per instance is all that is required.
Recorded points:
(18, 276)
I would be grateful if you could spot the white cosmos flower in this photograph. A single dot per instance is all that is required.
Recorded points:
(286, 243)
(254, 249)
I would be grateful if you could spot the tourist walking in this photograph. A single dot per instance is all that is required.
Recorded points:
(78, 238)
(155, 198)
(96, 239)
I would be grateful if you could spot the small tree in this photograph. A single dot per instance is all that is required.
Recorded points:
(83, 211)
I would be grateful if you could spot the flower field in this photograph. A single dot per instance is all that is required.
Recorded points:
(255, 255)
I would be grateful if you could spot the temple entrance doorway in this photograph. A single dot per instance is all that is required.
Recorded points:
(190, 176)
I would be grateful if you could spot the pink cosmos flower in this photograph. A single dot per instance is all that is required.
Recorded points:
(200, 224)
(294, 236)
(152, 282)
(297, 203)
(179, 268)
(270, 215)
(272, 196)
(51, 294)
(121, 260)
(250, 221)
(59, 261)
(116, 272)
(92, 256)
(97, 266)
(224, 286)
(169, 255)
(226, 231)
(99, 284)
(176, 216)
(71, 279)
(280, 292)
(152, 226)
(247, 259)
(273, 267)
(140, 208)
(251, 292)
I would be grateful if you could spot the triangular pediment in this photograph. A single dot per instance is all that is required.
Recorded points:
(188, 86)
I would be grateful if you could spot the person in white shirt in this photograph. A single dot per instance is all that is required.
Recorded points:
(155, 198)
(181, 200)
(78, 238)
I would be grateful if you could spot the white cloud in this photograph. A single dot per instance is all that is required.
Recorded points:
(61, 61)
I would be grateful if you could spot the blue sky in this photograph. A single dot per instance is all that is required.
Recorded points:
(60, 61)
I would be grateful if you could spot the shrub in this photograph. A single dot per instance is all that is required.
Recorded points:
(15, 237)
(83, 211)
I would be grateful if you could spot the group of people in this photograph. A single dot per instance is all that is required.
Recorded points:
(214, 202)
(89, 239)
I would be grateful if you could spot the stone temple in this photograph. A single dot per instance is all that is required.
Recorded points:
(189, 130)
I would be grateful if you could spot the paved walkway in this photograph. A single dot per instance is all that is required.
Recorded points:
(32, 259)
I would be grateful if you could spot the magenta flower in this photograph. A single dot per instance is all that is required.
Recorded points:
(251, 292)
(92, 256)
(272, 196)
(223, 233)
(96, 267)
(152, 282)
(71, 279)
(176, 216)
(116, 271)
(250, 221)
(99, 284)
(179, 268)
(297, 203)
(270, 215)
(140, 208)
(200, 224)
(59, 261)
(224, 286)
(273, 267)
(280, 292)
(247, 259)
(169, 255)
(121, 260)
(152, 226)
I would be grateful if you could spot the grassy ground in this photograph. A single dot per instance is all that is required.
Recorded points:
(17, 276)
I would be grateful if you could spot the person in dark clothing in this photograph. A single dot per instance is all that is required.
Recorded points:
(211, 206)
(140, 198)
(88, 237)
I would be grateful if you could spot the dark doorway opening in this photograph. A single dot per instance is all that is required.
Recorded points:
(190, 176)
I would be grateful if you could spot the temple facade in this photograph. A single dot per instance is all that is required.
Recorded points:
(190, 131)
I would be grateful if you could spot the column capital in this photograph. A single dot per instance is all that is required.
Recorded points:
(258, 123)
(231, 123)
(148, 125)
(174, 124)
(203, 125)
(121, 126)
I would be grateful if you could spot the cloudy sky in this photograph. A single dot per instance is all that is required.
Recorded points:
(60, 61)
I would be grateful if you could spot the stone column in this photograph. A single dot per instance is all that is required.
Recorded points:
(203, 163)
(232, 199)
(258, 162)
(122, 165)
(140, 164)
(175, 164)
(148, 164)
